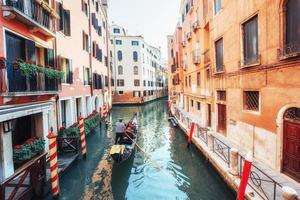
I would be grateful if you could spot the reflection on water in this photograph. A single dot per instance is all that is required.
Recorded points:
(168, 170)
(183, 173)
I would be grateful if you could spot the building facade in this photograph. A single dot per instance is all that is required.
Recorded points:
(52, 70)
(249, 76)
(138, 74)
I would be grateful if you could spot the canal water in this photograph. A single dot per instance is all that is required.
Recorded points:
(165, 169)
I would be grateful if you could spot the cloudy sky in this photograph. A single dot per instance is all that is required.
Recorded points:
(154, 19)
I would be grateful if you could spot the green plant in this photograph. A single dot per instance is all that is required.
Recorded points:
(28, 150)
(28, 69)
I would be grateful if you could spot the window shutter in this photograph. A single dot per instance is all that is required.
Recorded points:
(61, 17)
(100, 55)
(70, 71)
(67, 21)
(30, 51)
(82, 5)
(83, 40)
(93, 19)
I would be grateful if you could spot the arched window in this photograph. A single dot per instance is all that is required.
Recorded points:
(292, 35)
(120, 70)
(120, 55)
(135, 56)
(135, 70)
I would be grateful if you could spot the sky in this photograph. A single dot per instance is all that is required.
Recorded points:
(154, 19)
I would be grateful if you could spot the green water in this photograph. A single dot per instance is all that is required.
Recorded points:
(183, 173)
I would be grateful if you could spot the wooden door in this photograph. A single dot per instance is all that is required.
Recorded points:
(291, 149)
(222, 118)
(209, 115)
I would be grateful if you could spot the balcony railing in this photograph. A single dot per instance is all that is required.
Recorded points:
(31, 13)
(206, 56)
(196, 25)
(17, 83)
(289, 51)
(27, 181)
(196, 56)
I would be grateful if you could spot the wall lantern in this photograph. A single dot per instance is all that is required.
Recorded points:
(7, 126)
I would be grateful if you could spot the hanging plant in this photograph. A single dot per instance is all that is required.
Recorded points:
(2, 62)
(29, 69)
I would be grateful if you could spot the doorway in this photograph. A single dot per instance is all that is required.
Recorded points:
(222, 118)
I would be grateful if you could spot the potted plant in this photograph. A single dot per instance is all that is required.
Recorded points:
(2, 62)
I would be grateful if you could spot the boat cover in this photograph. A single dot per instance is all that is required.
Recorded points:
(117, 149)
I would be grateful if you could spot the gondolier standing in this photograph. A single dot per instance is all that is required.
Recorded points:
(120, 128)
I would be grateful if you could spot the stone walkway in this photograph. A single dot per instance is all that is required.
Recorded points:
(264, 182)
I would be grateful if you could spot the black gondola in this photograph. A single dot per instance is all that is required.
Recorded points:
(126, 145)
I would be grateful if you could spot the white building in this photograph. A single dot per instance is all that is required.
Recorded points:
(137, 68)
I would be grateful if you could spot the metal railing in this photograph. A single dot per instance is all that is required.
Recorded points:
(289, 50)
(36, 83)
(26, 181)
(68, 145)
(196, 56)
(222, 150)
(202, 134)
(266, 187)
(33, 10)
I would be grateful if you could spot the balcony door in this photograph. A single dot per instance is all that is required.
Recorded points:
(15, 49)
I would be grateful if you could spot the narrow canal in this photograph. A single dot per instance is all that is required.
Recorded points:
(182, 174)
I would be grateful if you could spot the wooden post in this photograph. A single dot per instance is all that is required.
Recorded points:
(245, 176)
(105, 115)
(53, 163)
(82, 137)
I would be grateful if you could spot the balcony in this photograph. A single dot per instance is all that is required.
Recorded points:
(196, 56)
(206, 56)
(189, 36)
(289, 51)
(17, 84)
(38, 16)
(196, 25)
(250, 62)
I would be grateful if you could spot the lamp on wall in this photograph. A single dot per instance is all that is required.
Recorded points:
(7, 126)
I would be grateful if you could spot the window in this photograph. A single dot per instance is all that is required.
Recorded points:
(219, 55)
(136, 82)
(198, 79)
(207, 73)
(121, 92)
(120, 70)
(87, 76)
(64, 23)
(86, 39)
(67, 68)
(198, 106)
(97, 81)
(218, 5)
(186, 81)
(192, 103)
(250, 41)
(120, 82)
(136, 94)
(135, 56)
(135, 70)
(118, 42)
(144, 83)
(221, 95)
(112, 82)
(134, 43)
(85, 8)
(144, 93)
(292, 37)
(190, 80)
(116, 30)
(251, 100)
(120, 55)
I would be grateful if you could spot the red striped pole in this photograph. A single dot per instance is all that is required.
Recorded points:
(105, 114)
(53, 163)
(245, 176)
(191, 134)
(82, 137)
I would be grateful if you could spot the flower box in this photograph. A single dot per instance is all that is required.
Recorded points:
(31, 148)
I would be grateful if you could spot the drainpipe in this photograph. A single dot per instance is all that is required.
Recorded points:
(90, 45)
(253, 141)
(108, 57)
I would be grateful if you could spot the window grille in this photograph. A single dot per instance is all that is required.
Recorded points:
(251, 100)
(221, 95)
(292, 114)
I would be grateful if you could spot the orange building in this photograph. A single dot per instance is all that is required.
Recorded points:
(252, 82)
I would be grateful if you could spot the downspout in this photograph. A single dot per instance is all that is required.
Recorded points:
(108, 57)
(90, 47)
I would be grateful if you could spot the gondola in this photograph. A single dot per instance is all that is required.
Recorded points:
(126, 145)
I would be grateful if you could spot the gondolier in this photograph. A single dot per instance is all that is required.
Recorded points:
(120, 128)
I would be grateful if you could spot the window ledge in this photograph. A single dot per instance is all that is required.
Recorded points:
(250, 65)
(220, 72)
(251, 112)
